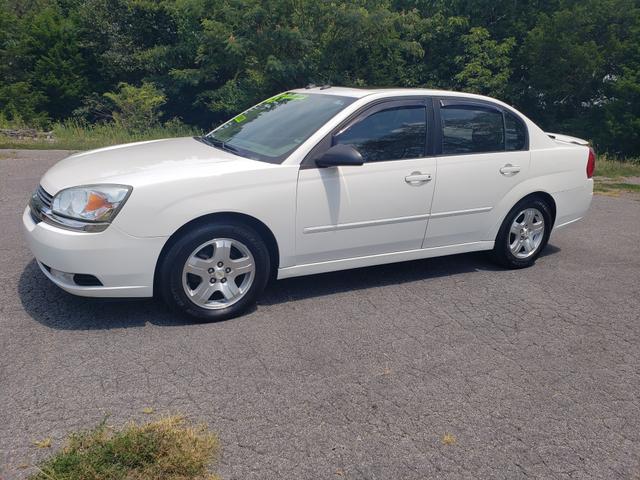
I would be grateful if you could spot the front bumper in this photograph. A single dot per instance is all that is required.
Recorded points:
(124, 264)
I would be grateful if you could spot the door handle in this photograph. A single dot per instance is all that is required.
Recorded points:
(509, 170)
(417, 178)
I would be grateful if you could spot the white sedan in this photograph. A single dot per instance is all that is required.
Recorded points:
(309, 181)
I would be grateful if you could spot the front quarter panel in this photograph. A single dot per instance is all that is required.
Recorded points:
(265, 192)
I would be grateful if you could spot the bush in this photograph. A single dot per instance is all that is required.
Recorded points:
(20, 107)
(168, 449)
(136, 108)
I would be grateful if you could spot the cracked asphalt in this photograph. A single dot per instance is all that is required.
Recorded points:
(349, 375)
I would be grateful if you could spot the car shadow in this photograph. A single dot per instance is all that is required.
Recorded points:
(53, 307)
(57, 309)
(300, 288)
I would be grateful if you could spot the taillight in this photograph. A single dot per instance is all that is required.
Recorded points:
(591, 163)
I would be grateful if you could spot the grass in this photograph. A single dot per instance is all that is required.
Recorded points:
(611, 173)
(169, 448)
(448, 439)
(76, 136)
(612, 187)
(44, 443)
(613, 168)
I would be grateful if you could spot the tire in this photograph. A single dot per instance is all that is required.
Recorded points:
(215, 271)
(520, 226)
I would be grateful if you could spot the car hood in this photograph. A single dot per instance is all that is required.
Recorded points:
(143, 163)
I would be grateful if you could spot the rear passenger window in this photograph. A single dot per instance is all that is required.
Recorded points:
(470, 129)
(516, 135)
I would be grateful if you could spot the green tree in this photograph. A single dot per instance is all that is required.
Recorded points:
(136, 108)
(486, 64)
(571, 65)
(581, 71)
(48, 58)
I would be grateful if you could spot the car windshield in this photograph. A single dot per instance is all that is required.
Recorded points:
(271, 130)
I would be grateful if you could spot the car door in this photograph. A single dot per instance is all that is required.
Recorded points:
(482, 154)
(379, 207)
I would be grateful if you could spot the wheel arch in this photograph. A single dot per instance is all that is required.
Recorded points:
(545, 197)
(502, 252)
(509, 203)
(234, 217)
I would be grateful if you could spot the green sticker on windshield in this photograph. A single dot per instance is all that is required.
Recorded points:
(294, 96)
(286, 96)
(240, 118)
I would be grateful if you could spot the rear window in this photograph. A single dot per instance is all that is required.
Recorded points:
(515, 132)
(475, 128)
(471, 130)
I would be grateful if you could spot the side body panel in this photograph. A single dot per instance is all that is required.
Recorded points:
(468, 190)
(266, 192)
(347, 212)
(560, 172)
(472, 198)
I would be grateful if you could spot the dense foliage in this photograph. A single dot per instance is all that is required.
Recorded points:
(573, 66)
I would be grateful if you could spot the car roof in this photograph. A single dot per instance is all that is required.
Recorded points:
(363, 92)
(342, 91)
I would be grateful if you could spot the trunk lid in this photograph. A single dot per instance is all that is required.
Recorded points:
(558, 137)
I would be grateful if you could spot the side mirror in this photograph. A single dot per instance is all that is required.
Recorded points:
(340, 155)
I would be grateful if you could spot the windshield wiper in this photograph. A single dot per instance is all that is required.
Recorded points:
(214, 142)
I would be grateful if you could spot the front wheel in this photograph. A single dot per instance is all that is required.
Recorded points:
(215, 272)
(523, 234)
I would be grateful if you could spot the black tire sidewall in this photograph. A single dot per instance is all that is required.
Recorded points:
(501, 250)
(171, 288)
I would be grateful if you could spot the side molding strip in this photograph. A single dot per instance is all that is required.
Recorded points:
(367, 223)
(461, 212)
(389, 221)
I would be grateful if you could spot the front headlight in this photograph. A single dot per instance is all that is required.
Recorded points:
(90, 207)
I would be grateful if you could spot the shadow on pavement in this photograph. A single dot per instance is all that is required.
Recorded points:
(55, 308)
(300, 288)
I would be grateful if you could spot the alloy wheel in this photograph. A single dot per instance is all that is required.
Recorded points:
(218, 273)
(526, 233)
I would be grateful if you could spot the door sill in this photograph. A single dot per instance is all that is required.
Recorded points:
(380, 259)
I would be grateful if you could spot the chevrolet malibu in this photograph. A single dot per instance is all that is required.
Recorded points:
(309, 181)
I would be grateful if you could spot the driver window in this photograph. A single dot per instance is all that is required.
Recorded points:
(393, 134)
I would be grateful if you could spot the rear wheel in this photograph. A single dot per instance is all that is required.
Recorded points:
(215, 271)
(523, 234)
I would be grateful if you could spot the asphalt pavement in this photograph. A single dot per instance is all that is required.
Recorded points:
(349, 375)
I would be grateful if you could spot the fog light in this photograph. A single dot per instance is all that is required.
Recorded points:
(86, 280)
(64, 277)
(80, 279)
